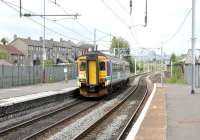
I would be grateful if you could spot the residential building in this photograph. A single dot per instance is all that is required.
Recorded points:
(16, 57)
(58, 51)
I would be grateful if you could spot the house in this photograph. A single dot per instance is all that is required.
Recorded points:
(58, 51)
(188, 57)
(16, 57)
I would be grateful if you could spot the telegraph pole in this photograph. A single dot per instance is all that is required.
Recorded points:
(44, 27)
(193, 45)
(171, 68)
(135, 66)
(44, 33)
(161, 51)
(95, 46)
(118, 48)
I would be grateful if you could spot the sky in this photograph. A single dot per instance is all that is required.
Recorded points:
(109, 18)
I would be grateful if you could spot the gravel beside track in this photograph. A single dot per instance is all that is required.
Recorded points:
(29, 128)
(113, 125)
(24, 108)
(74, 130)
(69, 123)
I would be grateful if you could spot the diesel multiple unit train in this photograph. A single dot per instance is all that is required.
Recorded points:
(98, 73)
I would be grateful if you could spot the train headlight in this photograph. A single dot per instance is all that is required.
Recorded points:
(82, 80)
(79, 84)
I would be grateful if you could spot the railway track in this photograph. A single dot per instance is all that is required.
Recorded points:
(29, 128)
(43, 126)
(101, 129)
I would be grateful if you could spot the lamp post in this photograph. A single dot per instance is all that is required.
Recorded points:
(135, 66)
(43, 46)
(193, 45)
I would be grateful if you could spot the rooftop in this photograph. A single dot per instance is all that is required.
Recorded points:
(11, 50)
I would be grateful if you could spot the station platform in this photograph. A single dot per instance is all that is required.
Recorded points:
(30, 92)
(173, 114)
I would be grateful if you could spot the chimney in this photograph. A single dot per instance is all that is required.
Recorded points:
(61, 40)
(51, 39)
(41, 38)
(15, 36)
(29, 38)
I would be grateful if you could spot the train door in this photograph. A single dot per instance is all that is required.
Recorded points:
(92, 72)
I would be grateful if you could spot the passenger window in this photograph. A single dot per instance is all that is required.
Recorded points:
(83, 66)
(102, 66)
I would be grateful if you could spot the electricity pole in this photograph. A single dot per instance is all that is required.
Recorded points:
(44, 27)
(161, 51)
(118, 48)
(43, 46)
(95, 46)
(135, 66)
(193, 45)
(171, 68)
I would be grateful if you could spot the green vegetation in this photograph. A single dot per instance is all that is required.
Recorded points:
(4, 41)
(118, 42)
(48, 62)
(177, 72)
(4, 54)
(174, 80)
(131, 64)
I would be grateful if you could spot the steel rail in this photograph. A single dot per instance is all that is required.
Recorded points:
(59, 122)
(131, 91)
(130, 121)
(39, 132)
(17, 126)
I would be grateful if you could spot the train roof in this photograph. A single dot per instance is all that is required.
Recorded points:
(112, 58)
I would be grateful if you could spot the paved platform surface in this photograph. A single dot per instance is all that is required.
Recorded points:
(174, 114)
(183, 111)
(153, 126)
(37, 88)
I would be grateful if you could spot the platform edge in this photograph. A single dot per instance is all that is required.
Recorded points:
(136, 126)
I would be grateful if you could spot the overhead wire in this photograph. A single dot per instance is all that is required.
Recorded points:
(56, 32)
(83, 26)
(179, 28)
(119, 18)
(122, 7)
(51, 30)
(132, 23)
(63, 9)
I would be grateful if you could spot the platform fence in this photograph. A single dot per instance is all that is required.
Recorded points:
(11, 76)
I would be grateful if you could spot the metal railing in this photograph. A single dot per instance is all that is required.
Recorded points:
(11, 76)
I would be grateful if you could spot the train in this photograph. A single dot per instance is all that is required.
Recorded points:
(98, 74)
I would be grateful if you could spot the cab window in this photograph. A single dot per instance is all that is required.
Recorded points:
(82, 66)
(102, 66)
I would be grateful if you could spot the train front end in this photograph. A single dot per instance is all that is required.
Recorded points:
(93, 74)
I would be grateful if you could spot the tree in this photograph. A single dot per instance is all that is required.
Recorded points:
(173, 58)
(4, 41)
(119, 43)
(3, 54)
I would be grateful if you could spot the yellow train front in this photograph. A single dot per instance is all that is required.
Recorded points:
(97, 73)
